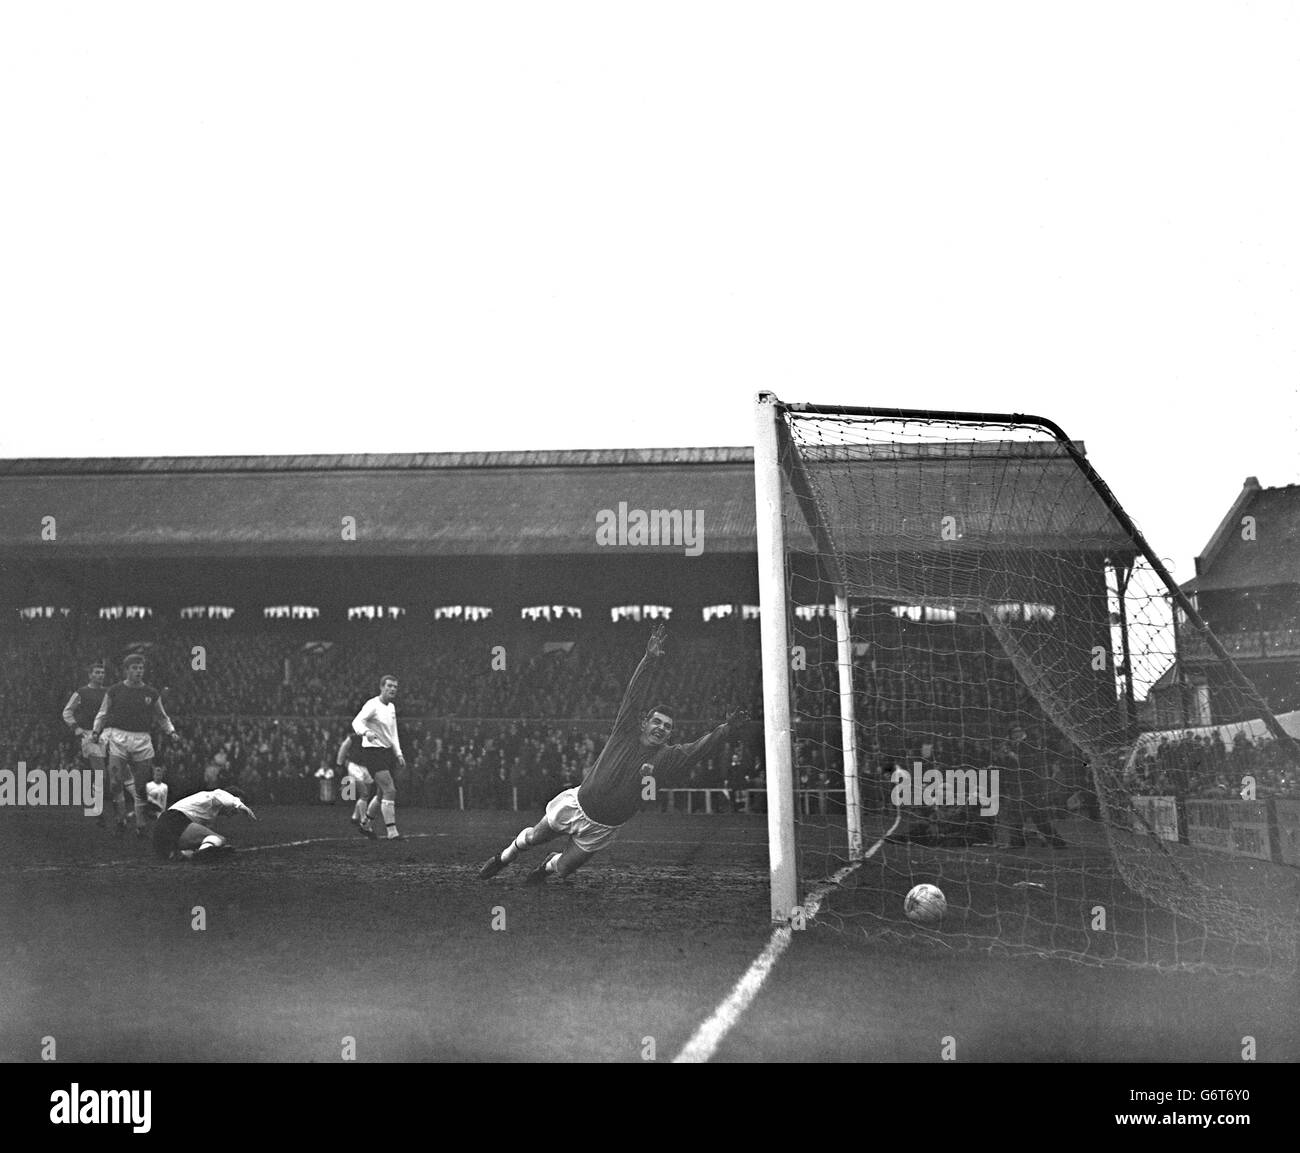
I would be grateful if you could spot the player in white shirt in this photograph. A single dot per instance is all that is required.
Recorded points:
(381, 750)
(156, 790)
(184, 831)
(362, 781)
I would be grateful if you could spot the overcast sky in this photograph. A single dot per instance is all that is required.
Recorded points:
(294, 228)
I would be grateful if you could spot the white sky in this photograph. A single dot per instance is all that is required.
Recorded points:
(285, 228)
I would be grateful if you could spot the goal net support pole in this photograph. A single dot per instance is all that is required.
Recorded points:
(775, 633)
(848, 724)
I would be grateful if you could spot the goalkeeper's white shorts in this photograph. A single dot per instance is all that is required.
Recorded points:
(565, 815)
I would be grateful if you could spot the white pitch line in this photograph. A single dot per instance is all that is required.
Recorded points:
(327, 840)
(244, 849)
(708, 1037)
(461, 835)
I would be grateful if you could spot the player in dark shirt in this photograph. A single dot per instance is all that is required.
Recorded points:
(128, 711)
(1027, 786)
(637, 751)
(79, 715)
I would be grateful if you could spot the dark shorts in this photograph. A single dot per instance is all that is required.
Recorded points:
(167, 833)
(379, 760)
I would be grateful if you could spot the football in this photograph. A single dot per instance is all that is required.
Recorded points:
(925, 904)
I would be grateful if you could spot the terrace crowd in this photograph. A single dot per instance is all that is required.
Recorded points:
(489, 725)
(1203, 767)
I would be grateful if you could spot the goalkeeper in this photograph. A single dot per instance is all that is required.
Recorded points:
(611, 793)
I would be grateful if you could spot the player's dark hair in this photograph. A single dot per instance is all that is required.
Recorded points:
(132, 659)
(388, 677)
(661, 710)
(238, 794)
(97, 665)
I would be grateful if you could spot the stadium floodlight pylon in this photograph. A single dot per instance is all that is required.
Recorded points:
(968, 575)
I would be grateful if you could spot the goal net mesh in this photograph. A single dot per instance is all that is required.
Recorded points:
(1006, 633)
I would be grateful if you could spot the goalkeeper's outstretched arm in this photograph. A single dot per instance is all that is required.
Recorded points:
(637, 695)
(685, 755)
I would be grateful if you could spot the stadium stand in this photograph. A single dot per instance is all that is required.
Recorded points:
(272, 702)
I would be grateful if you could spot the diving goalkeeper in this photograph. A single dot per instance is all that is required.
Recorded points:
(638, 749)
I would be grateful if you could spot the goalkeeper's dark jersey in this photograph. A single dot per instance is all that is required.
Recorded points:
(611, 793)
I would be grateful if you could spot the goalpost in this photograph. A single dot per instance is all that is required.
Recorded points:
(962, 629)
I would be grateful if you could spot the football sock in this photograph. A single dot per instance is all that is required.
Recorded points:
(521, 842)
(359, 811)
(372, 810)
(390, 815)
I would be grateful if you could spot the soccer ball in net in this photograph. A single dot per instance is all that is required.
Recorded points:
(925, 904)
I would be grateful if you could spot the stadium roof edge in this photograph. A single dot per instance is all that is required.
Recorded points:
(373, 462)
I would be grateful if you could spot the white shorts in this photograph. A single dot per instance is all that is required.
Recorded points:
(134, 747)
(566, 816)
(360, 773)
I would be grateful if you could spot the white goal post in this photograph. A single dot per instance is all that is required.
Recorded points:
(775, 630)
(774, 624)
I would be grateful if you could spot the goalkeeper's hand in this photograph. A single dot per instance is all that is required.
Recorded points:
(655, 646)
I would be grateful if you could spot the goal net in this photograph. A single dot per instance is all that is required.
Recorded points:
(978, 675)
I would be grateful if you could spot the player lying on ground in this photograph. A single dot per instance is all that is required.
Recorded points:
(611, 793)
(380, 751)
(184, 831)
(362, 781)
(128, 711)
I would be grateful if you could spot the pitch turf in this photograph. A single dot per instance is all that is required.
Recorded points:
(314, 934)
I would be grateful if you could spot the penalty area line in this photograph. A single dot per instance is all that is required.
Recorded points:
(701, 1047)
